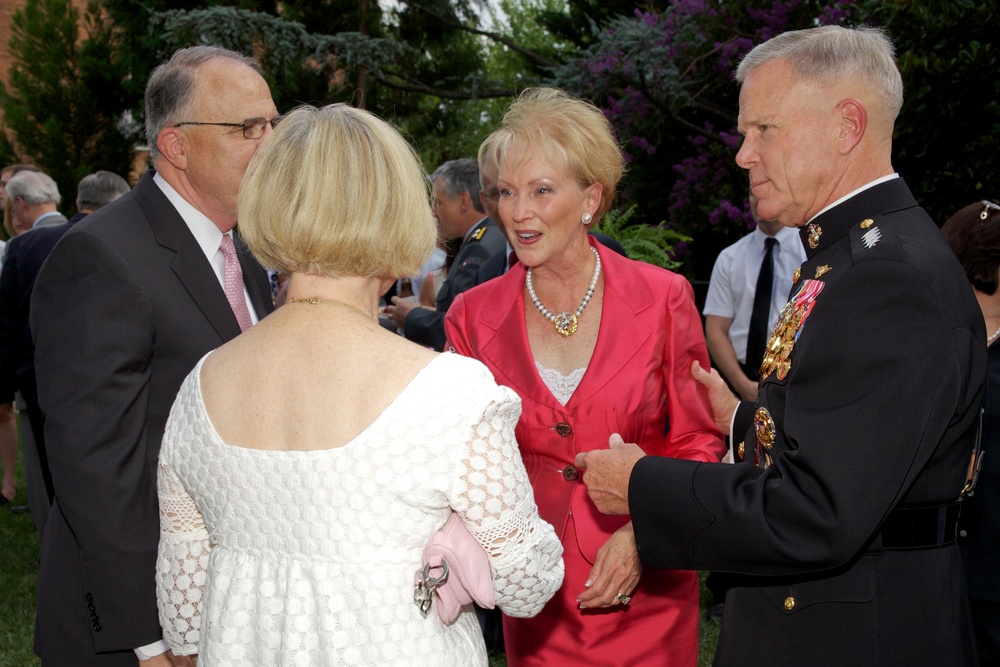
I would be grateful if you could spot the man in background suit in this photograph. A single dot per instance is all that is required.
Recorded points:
(24, 257)
(34, 197)
(126, 304)
(460, 215)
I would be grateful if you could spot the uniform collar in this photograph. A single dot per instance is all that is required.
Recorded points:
(871, 201)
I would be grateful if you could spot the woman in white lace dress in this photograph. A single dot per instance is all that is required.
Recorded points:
(301, 473)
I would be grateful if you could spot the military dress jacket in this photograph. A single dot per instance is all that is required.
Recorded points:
(867, 411)
(425, 326)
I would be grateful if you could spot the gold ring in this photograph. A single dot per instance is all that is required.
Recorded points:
(624, 599)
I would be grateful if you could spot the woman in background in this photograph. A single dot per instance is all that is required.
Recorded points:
(302, 471)
(595, 345)
(974, 235)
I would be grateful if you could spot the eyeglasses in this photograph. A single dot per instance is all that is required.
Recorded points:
(253, 128)
(987, 207)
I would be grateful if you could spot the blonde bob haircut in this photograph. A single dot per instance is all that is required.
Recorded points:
(337, 191)
(569, 132)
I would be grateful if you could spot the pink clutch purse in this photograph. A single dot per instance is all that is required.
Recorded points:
(455, 572)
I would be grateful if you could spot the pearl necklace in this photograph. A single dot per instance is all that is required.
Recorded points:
(333, 302)
(565, 323)
(992, 337)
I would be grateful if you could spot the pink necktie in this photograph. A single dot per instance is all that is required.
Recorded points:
(234, 283)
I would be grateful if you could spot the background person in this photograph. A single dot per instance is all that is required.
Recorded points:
(616, 359)
(460, 215)
(306, 554)
(25, 255)
(857, 451)
(973, 233)
(733, 310)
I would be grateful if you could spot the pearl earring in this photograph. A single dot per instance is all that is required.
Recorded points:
(586, 218)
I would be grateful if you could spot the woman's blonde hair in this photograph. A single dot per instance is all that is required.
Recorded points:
(337, 191)
(570, 132)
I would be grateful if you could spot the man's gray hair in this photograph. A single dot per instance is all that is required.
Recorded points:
(99, 189)
(828, 52)
(458, 176)
(34, 187)
(170, 87)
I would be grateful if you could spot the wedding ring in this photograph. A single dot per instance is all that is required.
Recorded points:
(624, 599)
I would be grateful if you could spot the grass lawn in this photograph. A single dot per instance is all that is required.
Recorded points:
(19, 576)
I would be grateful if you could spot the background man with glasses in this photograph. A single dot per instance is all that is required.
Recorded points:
(126, 304)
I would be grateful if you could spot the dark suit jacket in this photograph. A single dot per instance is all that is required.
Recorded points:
(877, 409)
(122, 310)
(425, 326)
(24, 257)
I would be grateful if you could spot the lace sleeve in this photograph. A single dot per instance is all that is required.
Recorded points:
(181, 563)
(494, 498)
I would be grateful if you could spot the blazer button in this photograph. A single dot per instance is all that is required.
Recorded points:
(570, 473)
(789, 603)
(91, 608)
(741, 450)
(94, 618)
(563, 429)
(90, 598)
(97, 627)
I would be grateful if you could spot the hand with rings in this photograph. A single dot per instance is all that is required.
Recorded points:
(615, 573)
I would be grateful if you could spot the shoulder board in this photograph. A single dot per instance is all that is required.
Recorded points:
(874, 239)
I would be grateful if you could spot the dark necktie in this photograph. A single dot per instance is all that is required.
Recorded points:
(757, 335)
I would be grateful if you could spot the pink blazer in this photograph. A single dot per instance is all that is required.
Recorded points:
(638, 382)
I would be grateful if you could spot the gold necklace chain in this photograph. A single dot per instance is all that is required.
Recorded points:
(333, 302)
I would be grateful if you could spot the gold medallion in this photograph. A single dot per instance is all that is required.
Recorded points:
(815, 231)
(866, 223)
(822, 270)
(764, 426)
(565, 323)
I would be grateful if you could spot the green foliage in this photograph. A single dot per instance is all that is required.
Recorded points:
(64, 103)
(654, 244)
(947, 138)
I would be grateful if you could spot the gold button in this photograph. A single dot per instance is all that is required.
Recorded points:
(789, 603)
(740, 450)
(866, 223)
(797, 275)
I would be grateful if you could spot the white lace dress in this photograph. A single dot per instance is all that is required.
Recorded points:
(307, 558)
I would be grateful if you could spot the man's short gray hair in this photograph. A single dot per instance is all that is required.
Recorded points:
(171, 86)
(458, 176)
(829, 52)
(34, 187)
(99, 189)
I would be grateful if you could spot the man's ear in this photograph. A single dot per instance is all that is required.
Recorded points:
(465, 201)
(172, 144)
(853, 125)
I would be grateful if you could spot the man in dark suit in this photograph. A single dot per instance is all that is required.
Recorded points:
(126, 304)
(24, 257)
(460, 215)
(840, 517)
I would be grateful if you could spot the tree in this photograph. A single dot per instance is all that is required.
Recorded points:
(65, 105)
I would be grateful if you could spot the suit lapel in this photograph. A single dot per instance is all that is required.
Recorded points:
(509, 333)
(626, 295)
(189, 263)
(623, 332)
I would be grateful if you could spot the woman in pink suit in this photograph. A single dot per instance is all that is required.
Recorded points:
(595, 345)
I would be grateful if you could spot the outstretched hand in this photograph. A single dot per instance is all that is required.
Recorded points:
(722, 399)
(607, 473)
